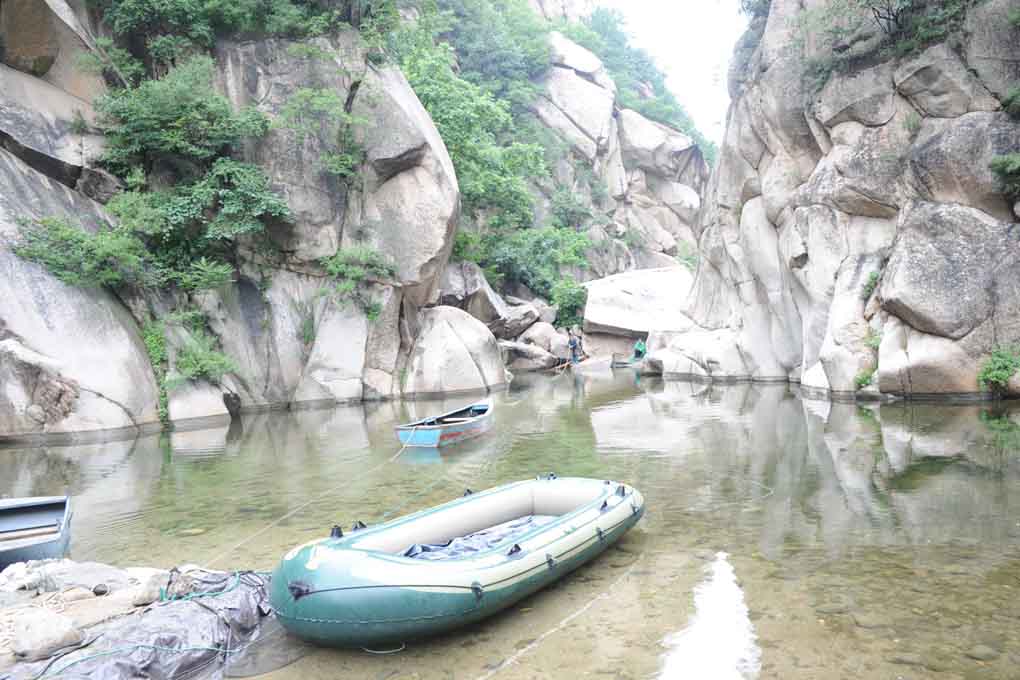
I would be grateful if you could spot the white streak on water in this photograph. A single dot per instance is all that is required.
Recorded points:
(719, 643)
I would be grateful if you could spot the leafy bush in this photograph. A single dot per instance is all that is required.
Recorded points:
(206, 274)
(1007, 169)
(1011, 103)
(688, 256)
(199, 359)
(154, 337)
(570, 298)
(493, 174)
(534, 257)
(1014, 17)
(634, 71)
(107, 257)
(502, 46)
(870, 285)
(181, 224)
(357, 264)
(997, 370)
(568, 212)
(351, 268)
(177, 118)
(865, 378)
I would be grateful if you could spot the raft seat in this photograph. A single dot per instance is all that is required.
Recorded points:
(486, 512)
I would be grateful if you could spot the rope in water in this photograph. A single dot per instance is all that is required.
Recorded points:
(308, 503)
(566, 621)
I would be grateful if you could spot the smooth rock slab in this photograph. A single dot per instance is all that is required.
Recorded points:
(453, 352)
(982, 653)
(635, 303)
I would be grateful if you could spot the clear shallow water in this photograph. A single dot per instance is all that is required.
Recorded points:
(878, 543)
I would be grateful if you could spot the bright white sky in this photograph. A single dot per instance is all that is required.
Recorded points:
(692, 41)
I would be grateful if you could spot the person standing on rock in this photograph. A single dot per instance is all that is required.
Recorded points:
(576, 350)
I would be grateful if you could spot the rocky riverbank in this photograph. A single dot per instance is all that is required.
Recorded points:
(121, 623)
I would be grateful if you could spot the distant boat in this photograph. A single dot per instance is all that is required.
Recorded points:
(34, 528)
(449, 428)
(624, 361)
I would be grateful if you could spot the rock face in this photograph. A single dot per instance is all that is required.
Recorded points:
(71, 359)
(635, 303)
(291, 338)
(642, 180)
(857, 230)
(454, 352)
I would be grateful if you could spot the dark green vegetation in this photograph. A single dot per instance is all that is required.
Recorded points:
(997, 370)
(107, 257)
(1011, 103)
(190, 205)
(870, 285)
(474, 65)
(352, 268)
(633, 69)
(906, 27)
(865, 378)
(1007, 169)
(481, 113)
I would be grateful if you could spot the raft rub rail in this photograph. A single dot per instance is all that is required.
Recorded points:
(360, 589)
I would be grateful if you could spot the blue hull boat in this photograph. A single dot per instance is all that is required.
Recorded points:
(34, 528)
(449, 428)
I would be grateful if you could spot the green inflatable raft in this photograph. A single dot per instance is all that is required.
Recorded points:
(450, 565)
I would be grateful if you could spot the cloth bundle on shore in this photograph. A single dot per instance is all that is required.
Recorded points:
(199, 622)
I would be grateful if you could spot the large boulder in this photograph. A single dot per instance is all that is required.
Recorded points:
(588, 106)
(47, 39)
(41, 123)
(949, 161)
(939, 84)
(520, 356)
(464, 286)
(408, 204)
(866, 97)
(517, 320)
(635, 303)
(952, 269)
(411, 202)
(568, 54)
(546, 337)
(73, 358)
(654, 147)
(453, 352)
(991, 45)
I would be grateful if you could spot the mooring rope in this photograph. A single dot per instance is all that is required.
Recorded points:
(312, 501)
(604, 595)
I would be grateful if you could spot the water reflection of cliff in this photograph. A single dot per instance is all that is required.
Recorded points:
(756, 460)
(838, 474)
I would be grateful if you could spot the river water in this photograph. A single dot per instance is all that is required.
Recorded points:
(784, 538)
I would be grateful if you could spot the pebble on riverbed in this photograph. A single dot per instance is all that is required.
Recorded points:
(982, 653)
(867, 620)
